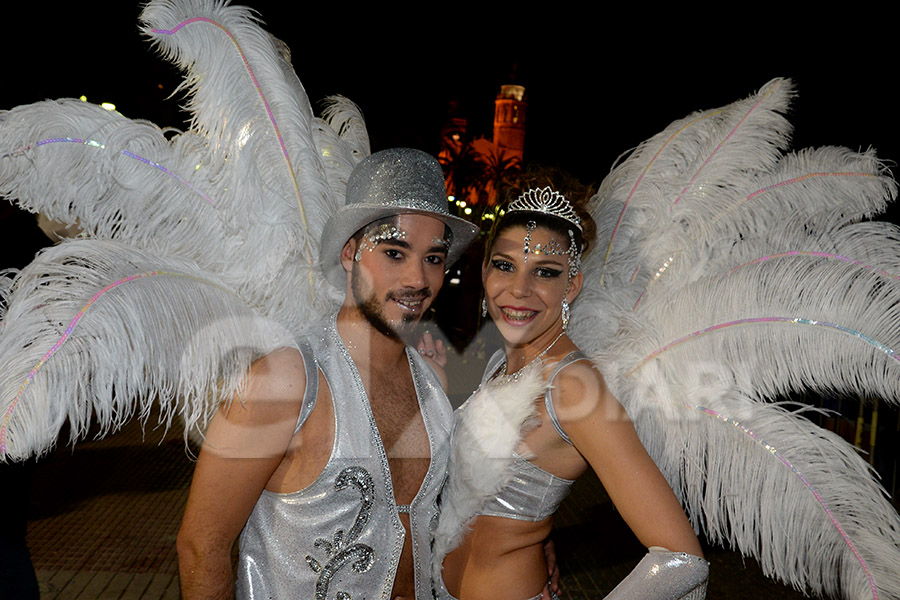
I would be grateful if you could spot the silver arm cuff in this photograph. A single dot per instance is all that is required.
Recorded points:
(664, 575)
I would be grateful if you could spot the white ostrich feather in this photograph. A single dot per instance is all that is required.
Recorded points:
(345, 118)
(99, 330)
(235, 205)
(729, 276)
(695, 165)
(772, 485)
(123, 179)
(245, 99)
(243, 95)
(342, 139)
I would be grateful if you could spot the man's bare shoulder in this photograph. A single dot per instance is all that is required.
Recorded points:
(260, 421)
(280, 374)
(277, 382)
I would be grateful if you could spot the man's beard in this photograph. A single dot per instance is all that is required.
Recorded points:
(371, 309)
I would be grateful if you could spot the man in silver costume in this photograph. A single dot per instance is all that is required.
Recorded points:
(330, 465)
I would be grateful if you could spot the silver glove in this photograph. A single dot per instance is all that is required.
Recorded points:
(664, 575)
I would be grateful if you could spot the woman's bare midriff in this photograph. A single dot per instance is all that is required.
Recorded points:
(500, 559)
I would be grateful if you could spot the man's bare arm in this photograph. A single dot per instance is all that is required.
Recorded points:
(244, 445)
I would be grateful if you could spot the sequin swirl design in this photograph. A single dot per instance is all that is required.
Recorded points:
(341, 550)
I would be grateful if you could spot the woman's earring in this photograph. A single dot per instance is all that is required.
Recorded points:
(483, 307)
(565, 313)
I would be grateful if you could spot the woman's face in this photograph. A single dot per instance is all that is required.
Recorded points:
(524, 298)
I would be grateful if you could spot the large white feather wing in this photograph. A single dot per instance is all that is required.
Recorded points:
(99, 330)
(729, 275)
(238, 202)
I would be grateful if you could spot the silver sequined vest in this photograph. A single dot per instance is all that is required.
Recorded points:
(341, 537)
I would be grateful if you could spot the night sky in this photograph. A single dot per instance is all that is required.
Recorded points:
(597, 86)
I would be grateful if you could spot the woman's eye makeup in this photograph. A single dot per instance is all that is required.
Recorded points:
(547, 272)
(543, 272)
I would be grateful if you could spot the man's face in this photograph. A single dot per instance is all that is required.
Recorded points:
(397, 269)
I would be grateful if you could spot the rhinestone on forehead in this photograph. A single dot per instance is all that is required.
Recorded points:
(376, 234)
(547, 201)
(553, 248)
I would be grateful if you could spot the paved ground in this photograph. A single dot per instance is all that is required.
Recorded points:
(103, 520)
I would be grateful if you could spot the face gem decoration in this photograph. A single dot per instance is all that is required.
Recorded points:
(529, 228)
(574, 256)
(553, 248)
(376, 234)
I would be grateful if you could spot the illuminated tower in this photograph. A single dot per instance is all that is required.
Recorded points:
(509, 120)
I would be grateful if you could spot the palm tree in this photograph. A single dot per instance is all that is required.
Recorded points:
(464, 169)
(499, 167)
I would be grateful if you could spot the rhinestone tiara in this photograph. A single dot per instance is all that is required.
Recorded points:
(548, 201)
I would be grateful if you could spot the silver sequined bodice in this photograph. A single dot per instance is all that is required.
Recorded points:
(342, 536)
(532, 494)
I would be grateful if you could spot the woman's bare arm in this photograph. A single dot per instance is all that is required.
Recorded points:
(603, 433)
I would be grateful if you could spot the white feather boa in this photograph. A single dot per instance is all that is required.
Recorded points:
(486, 432)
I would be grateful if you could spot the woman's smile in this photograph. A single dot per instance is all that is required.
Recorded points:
(517, 316)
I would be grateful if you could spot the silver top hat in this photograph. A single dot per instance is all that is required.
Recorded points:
(390, 182)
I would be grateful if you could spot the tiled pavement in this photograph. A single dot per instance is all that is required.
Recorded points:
(103, 517)
(103, 520)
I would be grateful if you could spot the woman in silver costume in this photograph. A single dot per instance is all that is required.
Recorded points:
(541, 418)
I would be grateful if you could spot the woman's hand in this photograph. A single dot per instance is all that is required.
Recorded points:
(434, 352)
(432, 349)
(551, 591)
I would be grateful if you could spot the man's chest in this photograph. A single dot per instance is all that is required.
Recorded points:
(403, 433)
